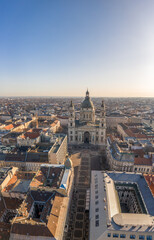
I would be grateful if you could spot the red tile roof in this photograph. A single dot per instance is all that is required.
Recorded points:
(12, 203)
(9, 127)
(150, 180)
(34, 227)
(31, 230)
(38, 180)
(139, 152)
(134, 133)
(30, 135)
(10, 184)
(18, 175)
(143, 161)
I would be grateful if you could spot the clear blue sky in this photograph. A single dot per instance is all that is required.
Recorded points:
(61, 47)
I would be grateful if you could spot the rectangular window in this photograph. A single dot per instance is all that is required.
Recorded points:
(122, 236)
(97, 209)
(97, 223)
(141, 237)
(115, 235)
(70, 132)
(71, 124)
(149, 237)
(96, 202)
(97, 216)
(132, 236)
(96, 192)
(96, 197)
(109, 234)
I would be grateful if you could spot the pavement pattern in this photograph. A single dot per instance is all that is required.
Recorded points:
(78, 226)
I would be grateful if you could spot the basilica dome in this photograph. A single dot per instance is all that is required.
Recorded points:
(87, 103)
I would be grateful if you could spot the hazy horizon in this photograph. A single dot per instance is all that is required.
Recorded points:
(68, 97)
(59, 48)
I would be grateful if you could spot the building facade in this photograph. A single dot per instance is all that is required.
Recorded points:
(121, 206)
(87, 129)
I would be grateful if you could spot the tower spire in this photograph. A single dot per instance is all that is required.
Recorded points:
(71, 104)
(87, 93)
(102, 105)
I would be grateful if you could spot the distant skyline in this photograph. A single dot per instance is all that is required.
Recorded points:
(61, 48)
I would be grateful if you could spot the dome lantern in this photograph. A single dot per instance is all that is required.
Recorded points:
(87, 93)
(87, 103)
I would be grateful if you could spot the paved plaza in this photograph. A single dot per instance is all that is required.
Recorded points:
(84, 160)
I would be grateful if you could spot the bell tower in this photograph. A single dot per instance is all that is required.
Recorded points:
(102, 125)
(71, 122)
(102, 122)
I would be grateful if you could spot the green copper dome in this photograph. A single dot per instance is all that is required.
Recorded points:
(87, 103)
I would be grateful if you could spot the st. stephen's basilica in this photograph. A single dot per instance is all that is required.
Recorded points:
(87, 129)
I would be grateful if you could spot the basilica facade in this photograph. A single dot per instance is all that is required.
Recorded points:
(87, 129)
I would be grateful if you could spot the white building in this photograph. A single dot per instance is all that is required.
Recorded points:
(87, 129)
(29, 138)
(121, 207)
(119, 159)
(114, 119)
(53, 152)
(55, 126)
